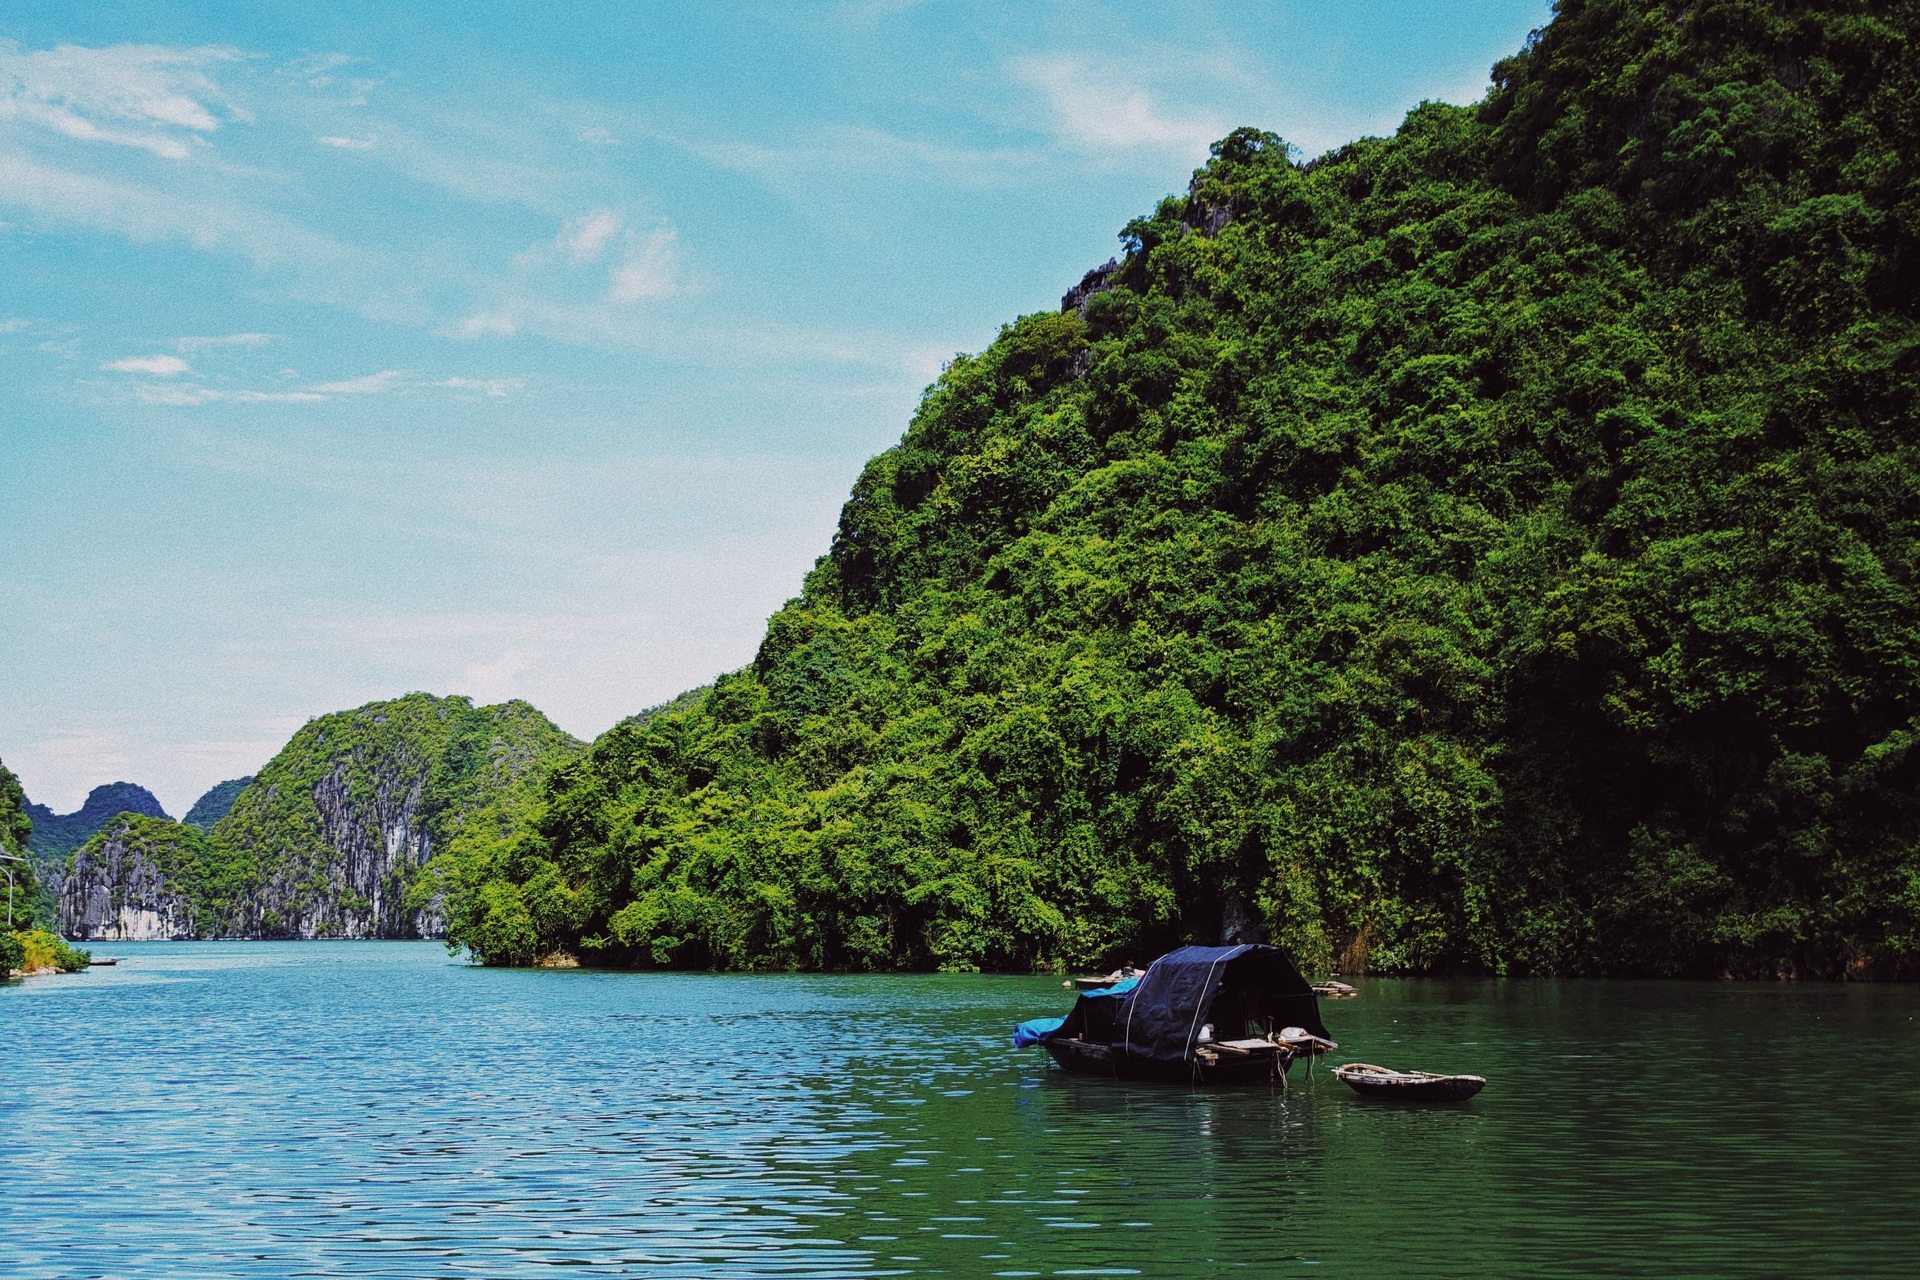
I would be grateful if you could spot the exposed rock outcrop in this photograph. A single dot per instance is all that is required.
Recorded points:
(1096, 281)
(126, 884)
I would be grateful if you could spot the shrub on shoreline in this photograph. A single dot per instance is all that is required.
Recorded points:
(32, 951)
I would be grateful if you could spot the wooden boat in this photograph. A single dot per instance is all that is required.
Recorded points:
(1162, 1024)
(100, 963)
(1096, 982)
(1331, 990)
(1370, 1081)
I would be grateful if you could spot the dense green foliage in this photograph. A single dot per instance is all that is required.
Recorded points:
(38, 951)
(216, 803)
(28, 903)
(1490, 547)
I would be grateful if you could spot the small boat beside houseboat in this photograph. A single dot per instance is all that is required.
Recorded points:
(1202, 1015)
(1370, 1081)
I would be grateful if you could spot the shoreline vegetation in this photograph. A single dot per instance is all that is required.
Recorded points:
(32, 952)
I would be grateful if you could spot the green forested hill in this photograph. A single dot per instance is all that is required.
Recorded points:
(215, 803)
(1491, 547)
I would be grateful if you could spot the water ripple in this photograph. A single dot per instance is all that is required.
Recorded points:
(363, 1109)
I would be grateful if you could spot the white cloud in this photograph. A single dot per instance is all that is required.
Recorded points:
(585, 239)
(145, 214)
(649, 268)
(180, 397)
(498, 323)
(346, 144)
(230, 340)
(492, 388)
(546, 292)
(156, 98)
(598, 137)
(1104, 108)
(642, 264)
(815, 162)
(371, 384)
(81, 759)
(158, 366)
(495, 681)
(14, 324)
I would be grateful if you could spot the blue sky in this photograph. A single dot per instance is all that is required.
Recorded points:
(529, 350)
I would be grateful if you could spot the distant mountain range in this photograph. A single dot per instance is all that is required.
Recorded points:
(55, 835)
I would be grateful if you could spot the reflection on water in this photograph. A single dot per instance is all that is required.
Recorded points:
(373, 1109)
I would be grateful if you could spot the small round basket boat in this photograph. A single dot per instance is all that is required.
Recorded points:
(1370, 1081)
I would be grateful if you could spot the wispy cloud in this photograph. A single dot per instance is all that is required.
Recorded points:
(496, 681)
(640, 263)
(229, 340)
(370, 384)
(492, 388)
(185, 395)
(158, 366)
(1105, 107)
(152, 97)
(148, 213)
(584, 282)
(819, 157)
(585, 239)
(175, 396)
(649, 268)
(345, 144)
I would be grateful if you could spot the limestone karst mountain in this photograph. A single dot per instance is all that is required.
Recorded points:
(327, 838)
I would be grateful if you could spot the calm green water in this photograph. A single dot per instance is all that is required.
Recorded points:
(364, 1109)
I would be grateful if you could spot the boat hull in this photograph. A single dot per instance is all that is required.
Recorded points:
(1085, 1059)
(1398, 1086)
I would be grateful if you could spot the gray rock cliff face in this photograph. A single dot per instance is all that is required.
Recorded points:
(118, 892)
(374, 845)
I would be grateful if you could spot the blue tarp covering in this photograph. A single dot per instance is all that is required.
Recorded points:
(1036, 1031)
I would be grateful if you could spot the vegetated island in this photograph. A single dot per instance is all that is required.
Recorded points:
(1487, 548)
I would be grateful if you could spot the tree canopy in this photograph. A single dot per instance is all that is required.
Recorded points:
(1488, 548)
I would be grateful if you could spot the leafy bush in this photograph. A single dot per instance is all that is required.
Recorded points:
(43, 952)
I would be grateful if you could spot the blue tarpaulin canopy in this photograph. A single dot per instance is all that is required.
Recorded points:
(1039, 1030)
